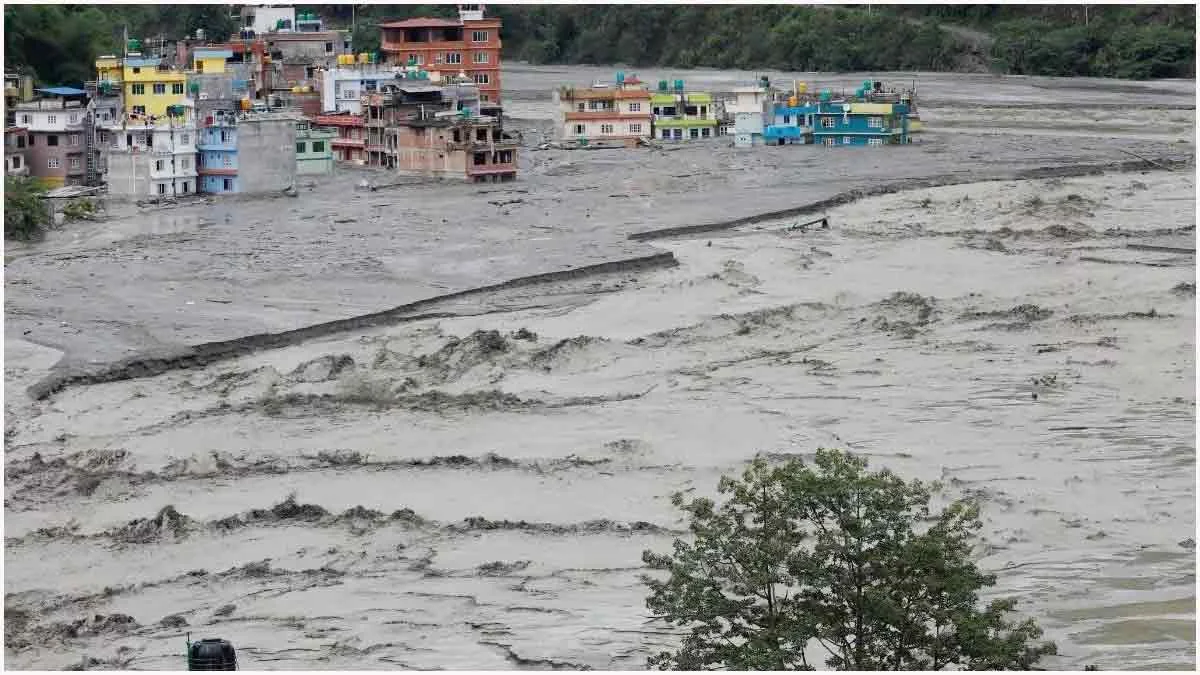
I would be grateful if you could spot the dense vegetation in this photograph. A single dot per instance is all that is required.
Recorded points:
(802, 564)
(25, 214)
(59, 42)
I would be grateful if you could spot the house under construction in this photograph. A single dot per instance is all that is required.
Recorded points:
(418, 128)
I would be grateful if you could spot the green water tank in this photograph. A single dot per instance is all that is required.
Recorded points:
(135, 45)
(662, 85)
(194, 87)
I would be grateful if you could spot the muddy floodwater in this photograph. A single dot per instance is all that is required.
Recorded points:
(470, 485)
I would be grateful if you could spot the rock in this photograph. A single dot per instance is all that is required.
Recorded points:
(322, 369)
(173, 621)
(225, 610)
(1189, 544)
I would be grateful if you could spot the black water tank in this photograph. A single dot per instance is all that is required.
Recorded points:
(212, 654)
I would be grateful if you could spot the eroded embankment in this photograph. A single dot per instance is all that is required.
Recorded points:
(909, 185)
(211, 352)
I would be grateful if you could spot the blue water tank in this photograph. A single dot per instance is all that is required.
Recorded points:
(620, 77)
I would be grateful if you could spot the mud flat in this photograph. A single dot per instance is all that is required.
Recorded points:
(474, 489)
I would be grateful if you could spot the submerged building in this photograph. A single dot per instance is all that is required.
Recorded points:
(619, 112)
(247, 153)
(446, 131)
(314, 149)
(680, 115)
(750, 109)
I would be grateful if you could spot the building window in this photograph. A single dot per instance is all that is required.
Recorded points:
(228, 184)
(158, 166)
(417, 59)
(51, 119)
(846, 140)
(480, 57)
(162, 188)
(581, 107)
(138, 89)
(328, 47)
(139, 109)
(73, 119)
(479, 36)
(52, 163)
(318, 146)
(24, 119)
(224, 136)
(635, 107)
(705, 132)
(20, 142)
(579, 129)
(453, 57)
(300, 147)
(875, 122)
(160, 88)
(137, 71)
(606, 128)
(828, 122)
(480, 158)
(635, 128)
(830, 141)
(482, 78)
(185, 139)
(74, 163)
(678, 135)
(16, 161)
(177, 88)
(185, 187)
(874, 141)
(787, 119)
(693, 133)
(52, 140)
(227, 160)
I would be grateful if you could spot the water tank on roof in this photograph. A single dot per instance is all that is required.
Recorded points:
(662, 85)
(620, 77)
(678, 85)
(135, 45)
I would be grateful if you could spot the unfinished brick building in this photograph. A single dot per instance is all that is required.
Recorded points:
(430, 130)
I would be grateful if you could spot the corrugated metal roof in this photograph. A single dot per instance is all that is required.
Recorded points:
(142, 63)
(61, 91)
(423, 23)
(210, 53)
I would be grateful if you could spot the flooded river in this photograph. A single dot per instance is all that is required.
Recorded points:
(471, 486)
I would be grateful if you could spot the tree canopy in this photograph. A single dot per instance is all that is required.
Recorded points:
(59, 43)
(799, 561)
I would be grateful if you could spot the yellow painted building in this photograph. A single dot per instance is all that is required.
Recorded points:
(207, 61)
(149, 87)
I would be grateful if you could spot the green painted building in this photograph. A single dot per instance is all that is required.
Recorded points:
(314, 150)
(682, 116)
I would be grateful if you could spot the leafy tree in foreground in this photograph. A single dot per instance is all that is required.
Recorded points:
(848, 560)
(25, 215)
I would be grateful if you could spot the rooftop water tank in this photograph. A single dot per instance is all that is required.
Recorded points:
(662, 85)
(620, 77)
(678, 85)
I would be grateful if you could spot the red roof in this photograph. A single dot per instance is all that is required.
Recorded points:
(423, 23)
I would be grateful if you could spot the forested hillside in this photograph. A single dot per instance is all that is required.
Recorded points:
(59, 42)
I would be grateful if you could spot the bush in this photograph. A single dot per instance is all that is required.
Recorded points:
(850, 560)
(25, 215)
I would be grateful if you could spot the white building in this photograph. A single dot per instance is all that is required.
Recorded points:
(144, 160)
(266, 18)
(750, 107)
(342, 88)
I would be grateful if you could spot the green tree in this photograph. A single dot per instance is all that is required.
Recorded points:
(839, 557)
(25, 214)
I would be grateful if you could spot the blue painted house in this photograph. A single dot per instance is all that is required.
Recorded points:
(218, 153)
(827, 122)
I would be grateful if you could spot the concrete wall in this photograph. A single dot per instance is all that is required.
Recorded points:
(266, 154)
(423, 151)
(128, 174)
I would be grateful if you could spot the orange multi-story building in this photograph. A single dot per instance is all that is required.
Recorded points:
(469, 45)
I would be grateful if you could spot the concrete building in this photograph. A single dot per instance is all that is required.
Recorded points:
(350, 143)
(57, 150)
(144, 159)
(18, 88)
(416, 128)
(751, 108)
(150, 86)
(680, 115)
(16, 148)
(268, 18)
(314, 149)
(619, 112)
(343, 87)
(470, 44)
(247, 153)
